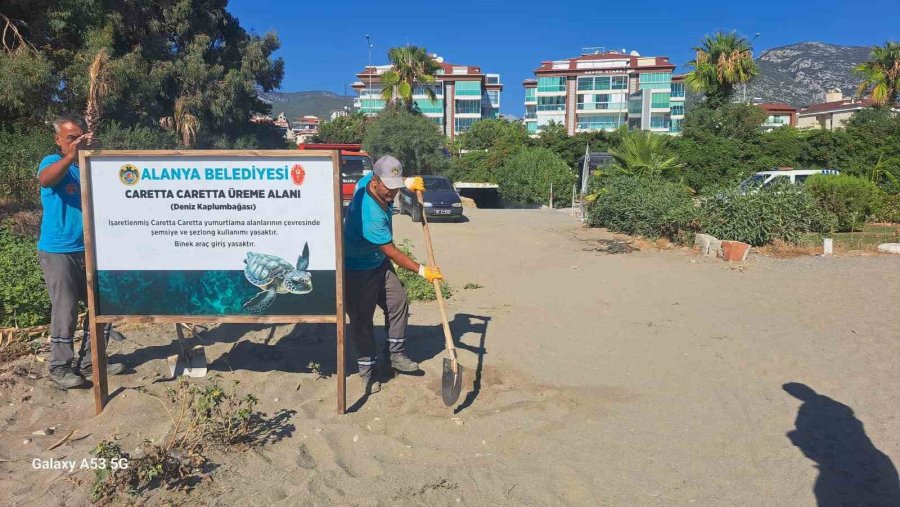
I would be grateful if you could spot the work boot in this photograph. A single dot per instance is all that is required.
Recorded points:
(65, 378)
(403, 364)
(370, 383)
(111, 369)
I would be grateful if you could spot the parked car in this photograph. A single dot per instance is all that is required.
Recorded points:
(777, 176)
(441, 200)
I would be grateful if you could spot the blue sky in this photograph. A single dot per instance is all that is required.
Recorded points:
(323, 42)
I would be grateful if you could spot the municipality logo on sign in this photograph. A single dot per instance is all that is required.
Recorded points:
(129, 175)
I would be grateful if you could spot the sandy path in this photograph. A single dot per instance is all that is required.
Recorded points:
(650, 378)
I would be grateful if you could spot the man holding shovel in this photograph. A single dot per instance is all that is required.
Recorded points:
(371, 280)
(61, 254)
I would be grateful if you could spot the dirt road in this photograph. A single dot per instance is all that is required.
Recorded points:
(646, 378)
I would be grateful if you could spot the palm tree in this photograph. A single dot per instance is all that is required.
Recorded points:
(411, 66)
(644, 154)
(881, 75)
(182, 123)
(723, 61)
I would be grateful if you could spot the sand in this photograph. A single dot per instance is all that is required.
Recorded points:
(643, 378)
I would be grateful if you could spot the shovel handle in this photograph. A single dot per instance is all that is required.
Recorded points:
(448, 338)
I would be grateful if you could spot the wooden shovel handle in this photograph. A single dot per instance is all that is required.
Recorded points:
(448, 338)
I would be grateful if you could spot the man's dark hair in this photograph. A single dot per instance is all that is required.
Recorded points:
(74, 119)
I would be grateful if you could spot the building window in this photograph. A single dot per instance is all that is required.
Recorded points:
(677, 90)
(603, 83)
(659, 121)
(601, 101)
(438, 120)
(468, 88)
(531, 127)
(530, 112)
(634, 106)
(529, 95)
(656, 80)
(370, 106)
(493, 79)
(676, 125)
(677, 109)
(419, 90)
(494, 96)
(428, 106)
(659, 100)
(600, 123)
(489, 113)
(551, 84)
(468, 107)
(464, 124)
(373, 92)
(777, 120)
(556, 103)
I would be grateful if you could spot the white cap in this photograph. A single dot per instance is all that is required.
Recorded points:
(390, 172)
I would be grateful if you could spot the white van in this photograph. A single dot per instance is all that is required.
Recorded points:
(776, 176)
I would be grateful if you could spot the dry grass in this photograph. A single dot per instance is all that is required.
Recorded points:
(784, 250)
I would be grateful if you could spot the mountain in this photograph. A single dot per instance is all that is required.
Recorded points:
(800, 74)
(297, 104)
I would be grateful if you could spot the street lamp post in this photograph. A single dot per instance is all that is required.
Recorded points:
(370, 46)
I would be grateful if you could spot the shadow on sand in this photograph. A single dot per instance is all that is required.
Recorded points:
(307, 344)
(852, 471)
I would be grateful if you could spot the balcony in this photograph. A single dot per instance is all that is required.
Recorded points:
(660, 124)
(551, 107)
(602, 106)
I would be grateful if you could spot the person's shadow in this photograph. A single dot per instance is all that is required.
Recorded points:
(852, 471)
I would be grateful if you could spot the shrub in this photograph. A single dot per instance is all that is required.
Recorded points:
(886, 208)
(418, 288)
(24, 301)
(115, 136)
(21, 150)
(647, 207)
(412, 138)
(525, 178)
(782, 212)
(849, 198)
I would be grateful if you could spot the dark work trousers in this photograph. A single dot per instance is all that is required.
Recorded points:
(66, 282)
(365, 290)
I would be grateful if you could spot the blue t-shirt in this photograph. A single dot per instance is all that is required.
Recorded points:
(61, 227)
(366, 228)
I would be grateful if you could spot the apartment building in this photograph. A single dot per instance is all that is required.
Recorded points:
(778, 115)
(604, 90)
(464, 95)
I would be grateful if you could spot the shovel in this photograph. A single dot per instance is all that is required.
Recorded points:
(451, 378)
(190, 362)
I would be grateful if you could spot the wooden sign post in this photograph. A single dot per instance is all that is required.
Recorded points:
(215, 237)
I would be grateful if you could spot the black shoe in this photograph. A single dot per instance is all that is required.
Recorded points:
(371, 383)
(65, 378)
(403, 364)
(111, 369)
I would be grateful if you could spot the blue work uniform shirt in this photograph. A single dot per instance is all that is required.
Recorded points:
(366, 228)
(61, 227)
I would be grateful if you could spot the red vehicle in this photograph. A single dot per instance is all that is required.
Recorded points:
(355, 163)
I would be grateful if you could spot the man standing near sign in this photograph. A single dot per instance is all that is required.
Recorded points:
(61, 253)
(371, 280)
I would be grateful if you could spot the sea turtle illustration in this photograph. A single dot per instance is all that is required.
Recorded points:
(275, 275)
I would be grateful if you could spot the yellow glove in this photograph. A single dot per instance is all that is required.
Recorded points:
(415, 184)
(430, 274)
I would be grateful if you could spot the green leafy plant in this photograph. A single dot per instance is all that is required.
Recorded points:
(650, 207)
(473, 285)
(526, 178)
(24, 301)
(881, 74)
(849, 198)
(722, 61)
(782, 212)
(645, 154)
(418, 288)
(414, 139)
(886, 208)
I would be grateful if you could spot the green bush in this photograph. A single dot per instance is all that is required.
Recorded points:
(886, 208)
(647, 207)
(526, 177)
(849, 198)
(418, 288)
(21, 150)
(782, 212)
(24, 301)
(115, 136)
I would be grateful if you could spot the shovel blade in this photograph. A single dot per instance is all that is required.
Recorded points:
(191, 364)
(451, 383)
